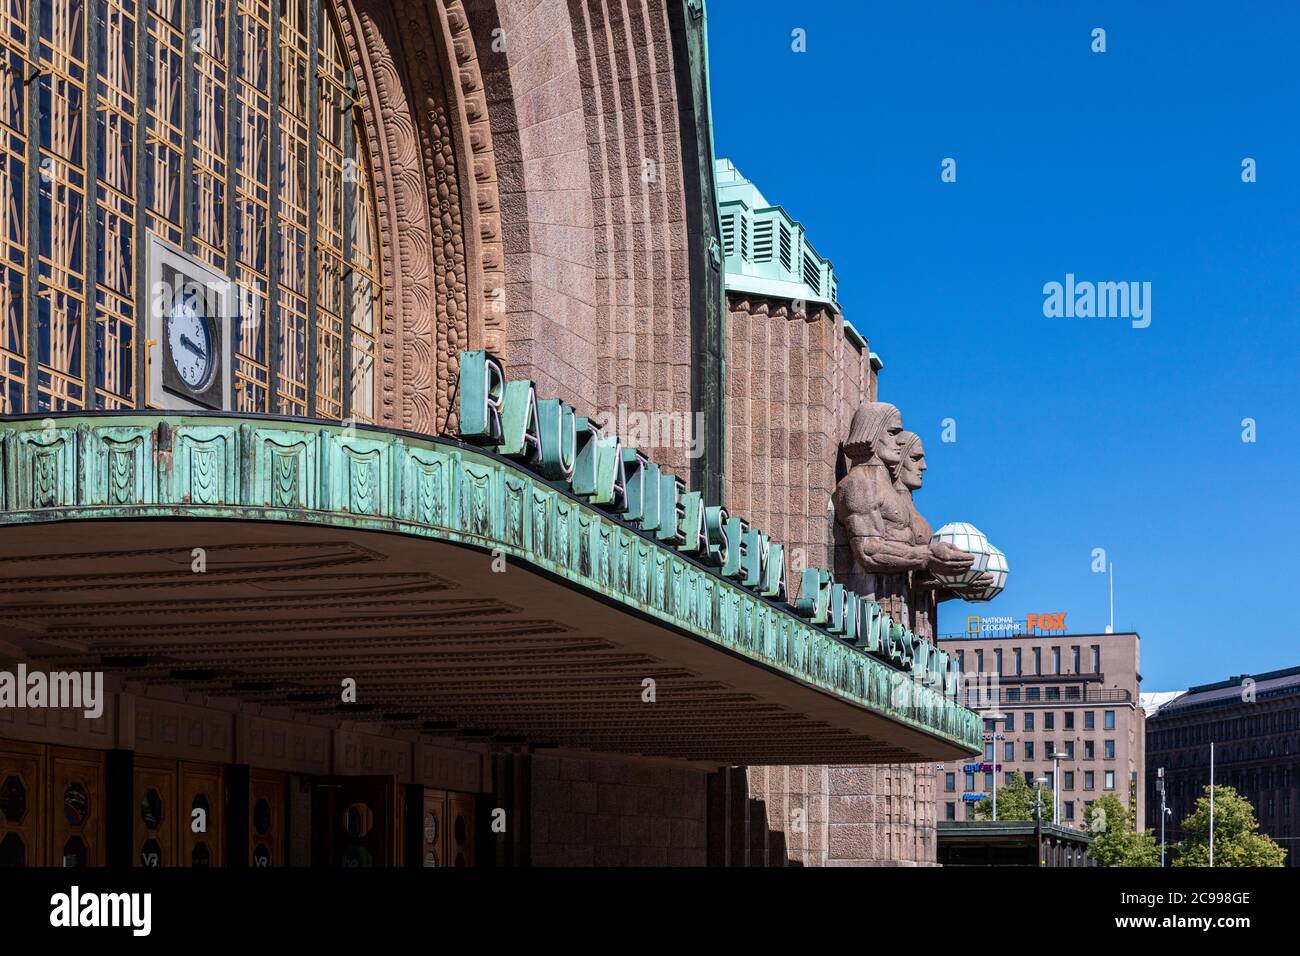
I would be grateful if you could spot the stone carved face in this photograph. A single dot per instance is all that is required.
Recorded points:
(911, 467)
(874, 434)
(889, 448)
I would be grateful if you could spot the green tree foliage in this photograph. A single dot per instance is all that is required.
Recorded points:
(1016, 801)
(1237, 840)
(1114, 843)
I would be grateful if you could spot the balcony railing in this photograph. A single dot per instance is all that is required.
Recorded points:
(979, 698)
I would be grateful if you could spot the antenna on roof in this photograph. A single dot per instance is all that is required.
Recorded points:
(1110, 628)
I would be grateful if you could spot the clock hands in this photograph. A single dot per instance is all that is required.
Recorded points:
(185, 341)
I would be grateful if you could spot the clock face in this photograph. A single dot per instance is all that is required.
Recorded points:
(189, 337)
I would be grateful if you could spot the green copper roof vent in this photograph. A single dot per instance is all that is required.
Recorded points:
(765, 251)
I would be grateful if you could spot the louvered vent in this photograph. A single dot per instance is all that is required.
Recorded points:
(744, 238)
(786, 262)
(763, 240)
(812, 276)
(729, 234)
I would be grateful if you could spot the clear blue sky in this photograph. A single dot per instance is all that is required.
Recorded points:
(1073, 434)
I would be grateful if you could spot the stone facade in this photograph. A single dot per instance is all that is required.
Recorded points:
(794, 380)
(598, 812)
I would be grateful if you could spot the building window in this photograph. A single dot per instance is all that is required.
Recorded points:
(1029, 749)
(1013, 694)
(997, 660)
(1069, 750)
(950, 811)
(1110, 779)
(1008, 750)
(970, 783)
(1051, 779)
(1110, 720)
(1018, 655)
(1056, 660)
(1068, 783)
(988, 751)
(1069, 720)
(1038, 660)
(961, 661)
(1010, 722)
(970, 811)
(1052, 693)
(950, 782)
(979, 661)
(1029, 720)
(1089, 720)
(1109, 751)
(1069, 809)
(197, 124)
(988, 780)
(1089, 780)
(1008, 776)
(1074, 657)
(1089, 750)
(1049, 720)
(1096, 658)
(1033, 693)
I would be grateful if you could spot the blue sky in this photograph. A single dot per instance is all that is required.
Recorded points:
(1072, 433)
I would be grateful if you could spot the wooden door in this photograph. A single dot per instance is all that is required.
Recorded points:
(365, 822)
(266, 823)
(460, 833)
(23, 805)
(76, 811)
(202, 818)
(434, 839)
(157, 810)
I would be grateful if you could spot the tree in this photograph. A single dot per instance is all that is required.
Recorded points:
(1016, 801)
(1114, 842)
(1237, 840)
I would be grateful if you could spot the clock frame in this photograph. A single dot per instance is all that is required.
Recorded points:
(175, 276)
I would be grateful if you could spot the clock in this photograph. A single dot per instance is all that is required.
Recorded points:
(190, 341)
(190, 336)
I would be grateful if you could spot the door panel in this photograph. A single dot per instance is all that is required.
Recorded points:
(202, 833)
(434, 841)
(266, 824)
(460, 834)
(364, 820)
(76, 807)
(23, 806)
(156, 810)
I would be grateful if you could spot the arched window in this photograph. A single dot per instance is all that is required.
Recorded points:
(230, 130)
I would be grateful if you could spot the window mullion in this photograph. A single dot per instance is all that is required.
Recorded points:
(89, 204)
(189, 123)
(32, 166)
(273, 217)
(313, 171)
(350, 173)
(142, 181)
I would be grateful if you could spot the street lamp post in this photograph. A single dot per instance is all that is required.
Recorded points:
(1160, 785)
(995, 737)
(1056, 759)
(1039, 782)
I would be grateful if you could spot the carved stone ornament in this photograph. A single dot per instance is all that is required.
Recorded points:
(895, 560)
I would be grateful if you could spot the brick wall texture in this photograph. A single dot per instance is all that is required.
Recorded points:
(597, 812)
(793, 383)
